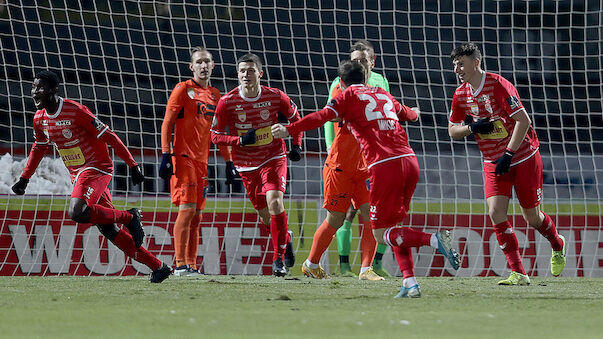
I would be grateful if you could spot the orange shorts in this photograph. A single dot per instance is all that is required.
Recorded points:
(526, 177)
(189, 182)
(392, 185)
(93, 186)
(342, 188)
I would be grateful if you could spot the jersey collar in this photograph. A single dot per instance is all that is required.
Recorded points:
(56, 114)
(249, 99)
(481, 86)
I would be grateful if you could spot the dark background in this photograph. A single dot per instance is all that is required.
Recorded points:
(122, 58)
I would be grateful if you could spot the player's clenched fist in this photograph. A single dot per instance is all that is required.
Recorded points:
(279, 131)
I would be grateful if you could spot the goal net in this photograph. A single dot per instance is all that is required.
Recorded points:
(122, 58)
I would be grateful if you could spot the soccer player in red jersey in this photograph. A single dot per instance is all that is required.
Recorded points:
(373, 116)
(81, 139)
(509, 145)
(243, 120)
(189, 113)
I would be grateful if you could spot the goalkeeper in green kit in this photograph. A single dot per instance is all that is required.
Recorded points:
(342, 147)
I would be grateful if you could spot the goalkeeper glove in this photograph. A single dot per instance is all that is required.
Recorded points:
(19, 187)
(166, 169)
(248, 138)
(504, 162)
(295, 153)
(481, 126)
(231, 173)
(136, 175)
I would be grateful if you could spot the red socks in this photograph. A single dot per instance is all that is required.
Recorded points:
(509, 245)
(321, 241)
(549, 231)
(100, 215)
(405, 261)
(278, 232)
(123, 240)
(406, 237)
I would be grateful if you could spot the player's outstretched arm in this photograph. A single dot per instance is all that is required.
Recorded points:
(124, 154)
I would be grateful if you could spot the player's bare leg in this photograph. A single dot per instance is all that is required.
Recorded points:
(545, 226)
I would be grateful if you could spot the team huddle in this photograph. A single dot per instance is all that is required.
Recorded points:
(371, 166)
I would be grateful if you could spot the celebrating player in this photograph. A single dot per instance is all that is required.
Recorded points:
(373, 116)
(345, 159)
(247, 112)
(81, 139)
(503, 131)
(190, 108)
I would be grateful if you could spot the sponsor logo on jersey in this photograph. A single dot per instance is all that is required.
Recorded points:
(190, 92)
(99, 125)
(265, 114)
(242, 116)
(67, 133)
(72, 156)
(262, 104)
(89, 192)
(482, 98)
(44, 122)
(72, 143)
(62, 123)
(238, 108)
(513, 102)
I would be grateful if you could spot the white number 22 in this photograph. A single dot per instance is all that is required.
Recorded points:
(369, 111)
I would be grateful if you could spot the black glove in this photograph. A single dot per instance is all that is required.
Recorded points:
(231, 173)
(503, 163)
(19, 187)
(248, 138)
(295, 153)
(136, 174)
(166, 169)
(482, 126)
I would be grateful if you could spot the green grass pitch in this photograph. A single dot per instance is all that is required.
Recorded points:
(296, 307)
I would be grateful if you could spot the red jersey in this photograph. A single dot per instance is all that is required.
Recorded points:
(373, 117)
(345, 152)
(498, 100)
(236, 114)
(76, 133)
(191, 108)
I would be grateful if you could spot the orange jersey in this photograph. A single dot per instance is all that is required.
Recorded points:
(345, 152)
(191, 108)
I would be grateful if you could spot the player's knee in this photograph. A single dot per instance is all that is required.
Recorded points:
(79, 211)
(276, 207)
(109, 231)
(497, 213)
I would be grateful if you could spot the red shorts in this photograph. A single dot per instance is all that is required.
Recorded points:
(93, 186)
(392, 185)
(342, 188)
(272, 176)
(189, 182)
(526, 177)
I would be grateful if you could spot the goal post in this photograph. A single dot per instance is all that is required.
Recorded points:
(122, 58)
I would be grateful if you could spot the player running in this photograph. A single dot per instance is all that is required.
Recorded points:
(243, 119)
(81, 139)
(509, 144)
(345, 155)
(373, 116)
(189, 113)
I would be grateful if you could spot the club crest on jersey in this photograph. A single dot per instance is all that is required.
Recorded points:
(242, 116)
(474, 109)
(262, 104)
(67, 133)
(190, 92)
(487, 106)
(265, 114)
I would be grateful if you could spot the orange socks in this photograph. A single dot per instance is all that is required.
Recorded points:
(368, 244)
(322, 239)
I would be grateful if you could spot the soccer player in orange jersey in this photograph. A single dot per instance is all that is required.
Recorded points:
(509, 144)
(189, 112)
(81, 140)
(373, 116)
(243, 119)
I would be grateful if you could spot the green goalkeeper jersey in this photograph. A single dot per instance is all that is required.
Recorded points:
(375, 80)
